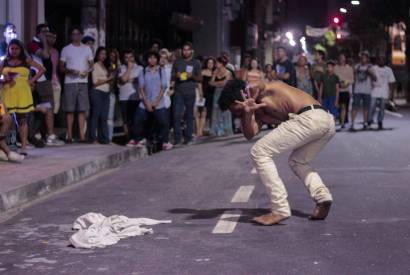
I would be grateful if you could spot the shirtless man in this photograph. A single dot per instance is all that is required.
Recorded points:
(303, 126)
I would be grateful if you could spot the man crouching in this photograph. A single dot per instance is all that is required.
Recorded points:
(304, 126)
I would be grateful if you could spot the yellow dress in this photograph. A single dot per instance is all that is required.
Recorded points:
(18, 97)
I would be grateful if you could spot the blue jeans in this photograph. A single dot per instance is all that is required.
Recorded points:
(161, 120)
(181, 102)
(100, 104)
(377, 102)
(329, 104)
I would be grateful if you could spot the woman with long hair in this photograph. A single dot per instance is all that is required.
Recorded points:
(221, 120)
(269, 72)
(113, 68)
(16, 94)
(204, 113)
(253, 76)
(100, 98)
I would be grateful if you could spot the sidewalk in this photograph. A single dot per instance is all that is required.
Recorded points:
(53, 168)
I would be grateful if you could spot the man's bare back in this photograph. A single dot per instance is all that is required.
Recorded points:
(280, 99)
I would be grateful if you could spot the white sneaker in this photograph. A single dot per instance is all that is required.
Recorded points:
(53, 141)
(3, 156)
(14, 157)
(167, 146)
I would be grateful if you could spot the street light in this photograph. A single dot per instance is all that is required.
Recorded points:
(355, 2)
(336, 20)
(343, 10)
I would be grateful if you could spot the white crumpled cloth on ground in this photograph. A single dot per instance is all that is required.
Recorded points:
(96, 230)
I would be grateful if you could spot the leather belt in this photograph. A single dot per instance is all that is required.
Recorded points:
(311, 107)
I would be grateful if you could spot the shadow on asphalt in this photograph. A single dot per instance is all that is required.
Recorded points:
(246, 217)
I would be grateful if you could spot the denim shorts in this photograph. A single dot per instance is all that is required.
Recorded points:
(359, 98)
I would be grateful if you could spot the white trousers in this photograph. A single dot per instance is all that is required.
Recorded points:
(306, 134)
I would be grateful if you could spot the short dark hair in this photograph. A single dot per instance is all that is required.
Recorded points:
(152, 54)
(229, 96)
(321, 53)
(282, 48)
(129, 51)
(75, 27)
(87, 39)
(40, 27)
(157, 41)
(187, 43)
(9, 25)
(331, 62)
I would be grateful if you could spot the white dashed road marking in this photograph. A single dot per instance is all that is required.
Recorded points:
(228, 221)
(243, 194)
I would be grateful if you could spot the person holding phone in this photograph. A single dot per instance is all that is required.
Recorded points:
(186, 73)
(16, 95)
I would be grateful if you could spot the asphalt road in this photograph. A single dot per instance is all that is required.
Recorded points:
(367, 232)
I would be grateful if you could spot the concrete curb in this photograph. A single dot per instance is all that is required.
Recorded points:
(40, 188)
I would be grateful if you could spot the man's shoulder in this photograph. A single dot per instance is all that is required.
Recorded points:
(196, 62)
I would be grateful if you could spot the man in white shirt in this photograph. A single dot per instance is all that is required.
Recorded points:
(129, 97)
(76, 63)
(383, 87)
(362, 89)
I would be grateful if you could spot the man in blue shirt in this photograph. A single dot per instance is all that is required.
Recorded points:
(153, 83)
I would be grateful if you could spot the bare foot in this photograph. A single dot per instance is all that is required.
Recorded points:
(270, 219)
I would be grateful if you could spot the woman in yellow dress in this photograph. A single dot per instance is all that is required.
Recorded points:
(16, 93)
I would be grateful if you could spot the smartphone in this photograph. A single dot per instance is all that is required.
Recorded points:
(189, 69)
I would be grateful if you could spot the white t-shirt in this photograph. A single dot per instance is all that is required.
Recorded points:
(363, 84)
(76, 58)
(381, 85)
(128, 90)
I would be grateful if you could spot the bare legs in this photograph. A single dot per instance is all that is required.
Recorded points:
(81, 125)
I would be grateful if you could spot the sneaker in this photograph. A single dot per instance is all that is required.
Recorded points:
(167, 146)
(189, 143)
(53, 141)
(3, 156)
(135, 144)
(14, 157)
(38, 143)
(178, 145)
(143, 142)
(132, 143)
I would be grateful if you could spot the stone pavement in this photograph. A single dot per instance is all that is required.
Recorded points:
(52, 168)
